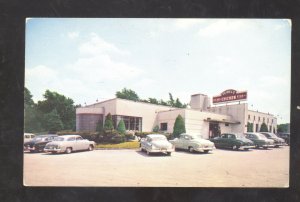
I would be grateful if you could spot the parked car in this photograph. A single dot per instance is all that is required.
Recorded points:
(277, 140)
(68, 144)
(260, 140)
(285, 136)
(193, 143)
(156, 143)
(38, 143)
(28, 137)
(234, 141)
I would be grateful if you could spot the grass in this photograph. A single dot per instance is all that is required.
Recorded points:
(123, 145)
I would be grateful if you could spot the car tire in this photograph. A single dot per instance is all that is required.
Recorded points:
(148, 153)
(69, 150)
(234, 147)
(142, 149)
(191, 149)
(206, 151)
(91, 148)
(168, 153)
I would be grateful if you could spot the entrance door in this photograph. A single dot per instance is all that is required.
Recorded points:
(214, 130)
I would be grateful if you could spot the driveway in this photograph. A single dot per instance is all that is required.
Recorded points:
(117, 168)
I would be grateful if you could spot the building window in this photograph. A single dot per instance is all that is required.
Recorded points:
(256, 128)
(267, 120)
(259, 118)
(226, 124)
(249, 117)
(163, 126)
(131, 122)
(253, 118)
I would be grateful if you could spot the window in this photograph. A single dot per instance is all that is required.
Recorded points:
(267, 120)
(259, 118)
(131, 122)
(78, 138)
(256, 128)
(163, 126)
(226, 124)
(249, 117)
(254, 118)
(71, 139)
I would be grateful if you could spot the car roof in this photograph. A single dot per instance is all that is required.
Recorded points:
(70, 135)
(47, 135)
(155, 135)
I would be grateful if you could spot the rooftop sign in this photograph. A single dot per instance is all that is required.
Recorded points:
(230, 95)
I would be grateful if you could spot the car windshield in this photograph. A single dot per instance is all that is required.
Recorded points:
(261, 136)
(59, 139)
(38, 138)
(158, 138)
(272, 135)
(240, 135)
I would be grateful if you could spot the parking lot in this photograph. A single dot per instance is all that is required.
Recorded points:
(117, 168)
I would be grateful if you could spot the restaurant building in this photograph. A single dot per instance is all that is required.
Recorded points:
(200, 117)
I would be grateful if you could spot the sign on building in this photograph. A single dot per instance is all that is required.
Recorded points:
(230, 95)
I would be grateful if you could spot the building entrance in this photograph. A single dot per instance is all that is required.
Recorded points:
(214, 129)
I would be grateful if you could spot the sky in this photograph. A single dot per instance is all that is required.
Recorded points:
(89, 59)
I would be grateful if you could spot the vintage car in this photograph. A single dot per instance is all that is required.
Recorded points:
(38, 143)
(193, 143)
(277, 140)
(28, 137)
(155, 143)
(260, 140)
(234, 141)
(68, 144)
(285, 136)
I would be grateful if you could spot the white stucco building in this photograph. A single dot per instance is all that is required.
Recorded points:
(200, 117)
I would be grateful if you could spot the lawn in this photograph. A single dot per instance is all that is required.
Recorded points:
(123, 145)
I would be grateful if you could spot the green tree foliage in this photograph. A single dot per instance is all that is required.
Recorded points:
(127, 94)
(121, 127)
(153, 100)
(64, 107)
(53, 122)
(249, 127)
(171, 101)
(179, 126)
(155, 129)
(108, 124)
(283, 128)
(263, 128)
(32, 122)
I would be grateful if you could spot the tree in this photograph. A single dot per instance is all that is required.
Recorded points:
(53, 122)
(171, 101)
(121, 127)
(179, 126)
(283, 128)
(263, 128)
(127, 94)
(249, 127)
(64, 107)
(108, 124)
(32, 123)
(153, 100)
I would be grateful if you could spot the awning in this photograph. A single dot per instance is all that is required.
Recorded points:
(222, 121)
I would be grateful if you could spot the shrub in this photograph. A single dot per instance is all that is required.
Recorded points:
(263, 128)
(179, 126)
(156, 129)
(121, 127)
(108, 125)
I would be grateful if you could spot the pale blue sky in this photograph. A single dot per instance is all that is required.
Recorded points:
(90, 59)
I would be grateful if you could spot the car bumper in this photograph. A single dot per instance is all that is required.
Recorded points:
(161, 150)
(54, 150)
(203, 149)
(267, 145)
(29, 148)
(246, 147)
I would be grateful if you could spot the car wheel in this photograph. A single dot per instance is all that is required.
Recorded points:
(206, 151)
(69, 150)
(246, 149)
(169, 153)
(91, 148)
(191, 149)
(148, 153)
(234, 147)
(142, 149)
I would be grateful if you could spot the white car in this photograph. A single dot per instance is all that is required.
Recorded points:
(28, 137)
(68, 144)
(193, 143)
(156, 143)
